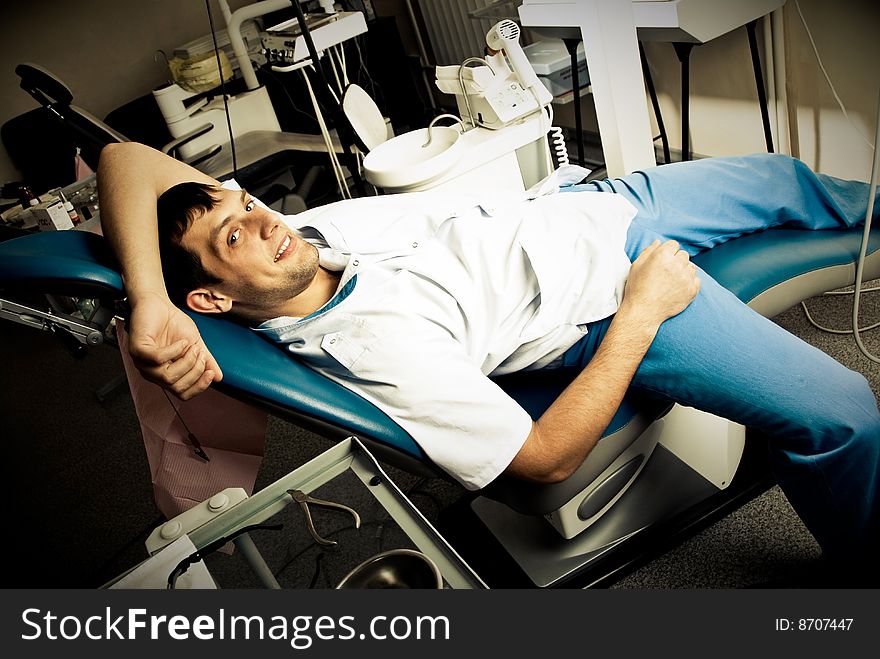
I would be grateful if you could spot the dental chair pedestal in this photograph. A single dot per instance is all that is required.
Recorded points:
(681, 459)
(696, 469)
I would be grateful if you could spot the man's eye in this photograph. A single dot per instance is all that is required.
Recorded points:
(233, 237)
(249, 206)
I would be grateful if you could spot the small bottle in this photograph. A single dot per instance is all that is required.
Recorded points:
(71, 211)
(27, 197)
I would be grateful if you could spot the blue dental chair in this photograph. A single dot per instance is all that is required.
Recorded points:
(629, 497)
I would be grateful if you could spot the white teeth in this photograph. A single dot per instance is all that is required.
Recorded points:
(283, 248)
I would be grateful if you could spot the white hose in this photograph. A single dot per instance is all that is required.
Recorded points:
(860, 267)
(557, 141)
(328, 142)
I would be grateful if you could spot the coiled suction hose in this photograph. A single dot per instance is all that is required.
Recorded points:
(557, 141)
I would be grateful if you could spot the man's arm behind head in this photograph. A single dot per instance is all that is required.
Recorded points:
(165, 344)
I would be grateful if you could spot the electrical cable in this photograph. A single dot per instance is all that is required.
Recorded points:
(332, 61)
(559, 148)
(314, 582)
(860, 267)
(857, 291)
(339, 51)
(328, 141)
(375, 92)
(312, 545)
(283, 86)
(210, 548)
(828, 79)
(223, 90)
(831, 330)
(128, 545)
(197, 447)
(860, 264)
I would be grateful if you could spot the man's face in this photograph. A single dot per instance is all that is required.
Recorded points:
(260, 263)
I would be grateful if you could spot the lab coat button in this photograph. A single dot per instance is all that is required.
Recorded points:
(415, 244)
(355, 263)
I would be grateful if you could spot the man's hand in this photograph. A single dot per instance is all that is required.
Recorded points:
(661, 284)
(167, 348)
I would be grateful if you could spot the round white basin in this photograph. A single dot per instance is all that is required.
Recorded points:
(403, 161)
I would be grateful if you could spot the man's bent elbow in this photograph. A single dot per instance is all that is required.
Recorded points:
(548, 474)
(558, 474)
(540, 462)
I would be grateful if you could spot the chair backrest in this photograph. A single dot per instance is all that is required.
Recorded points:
(141, 120)
(365, 118)
(41, 149)
(87, 131)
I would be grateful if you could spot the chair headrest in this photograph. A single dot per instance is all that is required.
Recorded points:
(43, 85)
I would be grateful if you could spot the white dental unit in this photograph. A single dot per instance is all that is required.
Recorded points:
(499, 140)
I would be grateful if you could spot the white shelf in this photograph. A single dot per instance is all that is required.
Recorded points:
(568, 97)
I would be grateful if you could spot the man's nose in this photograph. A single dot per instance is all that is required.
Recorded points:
(268, 224)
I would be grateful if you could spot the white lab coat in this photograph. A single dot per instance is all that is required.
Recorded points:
(437, 293)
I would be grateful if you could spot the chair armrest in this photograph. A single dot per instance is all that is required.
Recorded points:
(175, 144)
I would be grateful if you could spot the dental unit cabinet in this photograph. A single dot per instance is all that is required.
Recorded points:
(499, 140)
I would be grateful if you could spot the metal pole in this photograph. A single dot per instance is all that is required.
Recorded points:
(339, 120)
(683, 50)
(572, 45)
(759, 81)
(652, 92)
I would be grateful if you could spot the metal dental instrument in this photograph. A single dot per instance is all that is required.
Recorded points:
(304, 500)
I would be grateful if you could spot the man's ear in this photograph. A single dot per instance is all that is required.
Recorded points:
(203, 300)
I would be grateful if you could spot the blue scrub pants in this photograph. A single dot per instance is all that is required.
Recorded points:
(720, 356)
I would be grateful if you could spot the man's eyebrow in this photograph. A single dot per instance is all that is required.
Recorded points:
(217, 230)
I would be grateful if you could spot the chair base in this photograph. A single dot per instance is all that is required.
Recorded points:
(548, 559)
(640, 526)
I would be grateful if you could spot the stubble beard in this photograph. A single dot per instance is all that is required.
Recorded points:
(291, 284)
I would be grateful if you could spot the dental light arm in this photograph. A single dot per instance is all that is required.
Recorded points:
(505, 36)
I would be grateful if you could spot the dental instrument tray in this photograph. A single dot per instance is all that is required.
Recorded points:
(330, 486)
(286, 43)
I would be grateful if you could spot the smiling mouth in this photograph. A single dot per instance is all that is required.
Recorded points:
(282, 248)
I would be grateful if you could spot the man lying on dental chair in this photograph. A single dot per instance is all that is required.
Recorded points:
(414, 300)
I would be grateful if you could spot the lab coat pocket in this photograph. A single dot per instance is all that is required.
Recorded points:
(556, 290)
(347, 345)
(580, 272)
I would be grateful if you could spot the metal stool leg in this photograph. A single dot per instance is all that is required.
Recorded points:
(652, 92)
(759, 81)
(683, 50)
(572, 46)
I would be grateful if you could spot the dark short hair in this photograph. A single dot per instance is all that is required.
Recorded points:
(176, 209)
